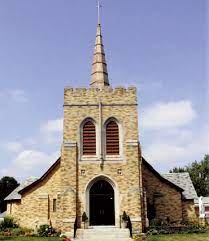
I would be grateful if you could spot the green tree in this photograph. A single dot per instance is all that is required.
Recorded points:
(199, 173)
(178, 170)
(7, 185)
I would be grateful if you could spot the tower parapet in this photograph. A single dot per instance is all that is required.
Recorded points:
(93, 96)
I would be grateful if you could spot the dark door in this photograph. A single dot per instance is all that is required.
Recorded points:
(102, 207)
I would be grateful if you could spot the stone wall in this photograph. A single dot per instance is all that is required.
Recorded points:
(36, 206)
(123, 171)
(189, 213)
(69, 181)
(165, 198)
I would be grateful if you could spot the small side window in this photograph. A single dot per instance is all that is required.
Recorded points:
(54, 205)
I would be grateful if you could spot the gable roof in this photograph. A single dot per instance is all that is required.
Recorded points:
(28, 183)
(26, 188)
(14, 195)
(163, 179)
(184, 181)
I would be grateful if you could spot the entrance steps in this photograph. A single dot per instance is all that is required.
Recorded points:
(103, 234)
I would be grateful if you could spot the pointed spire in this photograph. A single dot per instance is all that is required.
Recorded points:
(99, 75)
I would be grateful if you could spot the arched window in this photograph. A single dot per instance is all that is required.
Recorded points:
(112, 138)
(89, 138)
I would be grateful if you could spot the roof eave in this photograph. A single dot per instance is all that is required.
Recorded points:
(161, 177)
(24, 190)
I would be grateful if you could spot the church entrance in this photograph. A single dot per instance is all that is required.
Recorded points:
(102, 204)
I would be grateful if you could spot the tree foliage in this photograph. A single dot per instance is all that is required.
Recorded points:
(7, 185)
(199, 173)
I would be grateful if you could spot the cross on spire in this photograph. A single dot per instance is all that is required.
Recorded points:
(99, 11)
(99, 74)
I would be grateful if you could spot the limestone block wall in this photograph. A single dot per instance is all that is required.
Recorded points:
(189, 213)
(36, 206)
(68, 186)
(124, 170)
(167, 205)
(13, 208)
(82, 103)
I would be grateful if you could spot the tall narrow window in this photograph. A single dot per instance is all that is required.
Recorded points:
(54, 205)
(112, 138)
(89, 138)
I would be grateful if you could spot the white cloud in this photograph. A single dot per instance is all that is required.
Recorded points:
(30, 163)
(13, 146)
(53, 126)
(16, 95)
(51, 131)
(167, 153)
(168, 115)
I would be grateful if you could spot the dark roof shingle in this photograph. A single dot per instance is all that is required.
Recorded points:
(14, 195)
(184, 181)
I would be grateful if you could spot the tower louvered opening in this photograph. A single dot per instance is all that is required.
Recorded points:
(112, 138)
(89, 138)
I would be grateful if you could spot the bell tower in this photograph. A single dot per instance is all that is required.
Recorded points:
(101, 156)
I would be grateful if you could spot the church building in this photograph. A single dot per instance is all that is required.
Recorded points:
(101, 170)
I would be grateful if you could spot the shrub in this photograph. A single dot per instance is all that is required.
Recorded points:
(155, 223)
(124, 216)
(16, 231)
(176, 228)
(8, 223)
(84, 217)
(46, 231)
(27, 231)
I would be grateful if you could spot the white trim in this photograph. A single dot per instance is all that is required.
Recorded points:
(132, 142)
(70, 143)
(116, 196)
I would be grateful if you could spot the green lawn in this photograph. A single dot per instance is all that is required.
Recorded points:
(27, 239)
(181, 237)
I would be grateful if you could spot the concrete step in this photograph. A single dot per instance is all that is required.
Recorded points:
(102, 239)
(103, 233)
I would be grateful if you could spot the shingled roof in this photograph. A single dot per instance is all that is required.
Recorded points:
(184, 181)
(15, 194)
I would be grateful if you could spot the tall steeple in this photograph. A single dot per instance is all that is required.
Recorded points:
(99, 74)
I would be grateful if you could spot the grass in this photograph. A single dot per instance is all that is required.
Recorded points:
(174, 237)
(181, 237)
(28, 239)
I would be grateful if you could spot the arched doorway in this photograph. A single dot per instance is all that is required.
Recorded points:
(102, 203)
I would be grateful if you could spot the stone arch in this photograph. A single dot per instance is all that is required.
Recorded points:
(116, 195)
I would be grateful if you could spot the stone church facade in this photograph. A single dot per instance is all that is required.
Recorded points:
(101, 170)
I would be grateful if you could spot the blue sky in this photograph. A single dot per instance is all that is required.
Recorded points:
(159, 46)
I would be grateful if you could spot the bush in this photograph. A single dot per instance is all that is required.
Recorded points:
(27, 231)
(155, 223)
(124, 216)
(46, 231)
(185, 228)
(16, 231)
(84, 217)
(8, 223)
